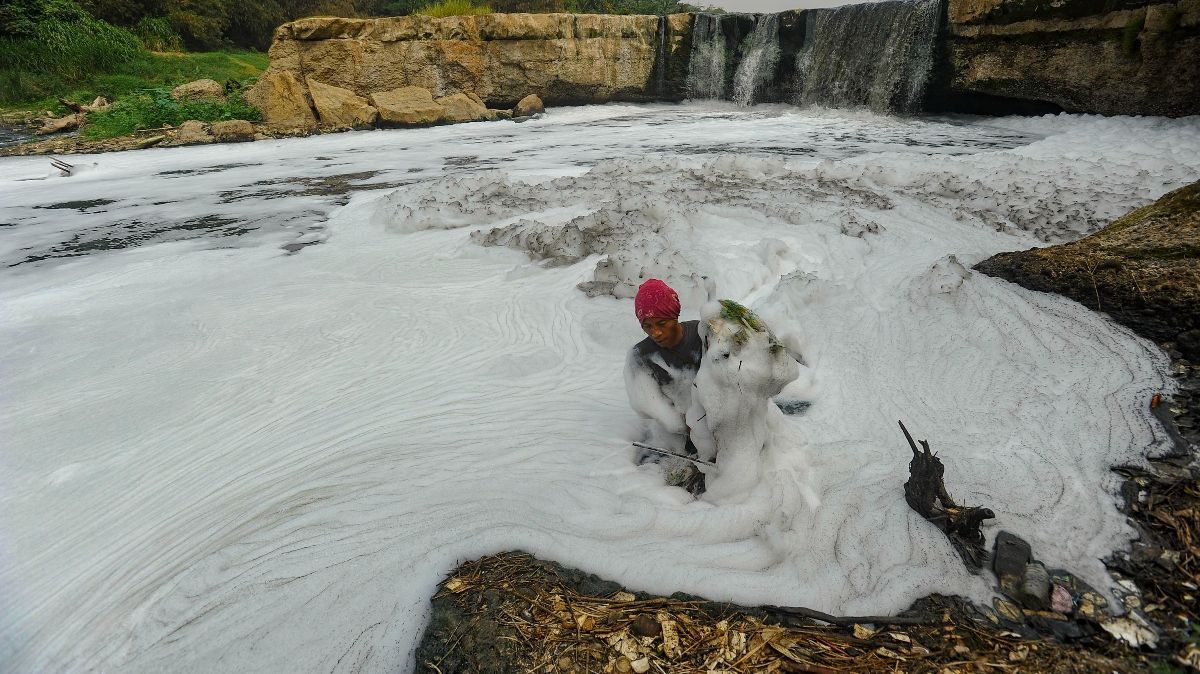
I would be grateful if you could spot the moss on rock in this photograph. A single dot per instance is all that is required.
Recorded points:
(1143, 270)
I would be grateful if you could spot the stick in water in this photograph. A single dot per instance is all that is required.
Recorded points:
(678, 456)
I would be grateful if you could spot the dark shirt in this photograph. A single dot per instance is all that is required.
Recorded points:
(685, 356)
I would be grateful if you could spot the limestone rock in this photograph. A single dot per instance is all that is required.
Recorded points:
(462, 108)
(199, 90)
(1075, 56)
(494, 115)
(193, 132)
(59, 124)
(340, 107)
(496, 57)
(234, 130)
(283, 101)
(529, 106)
(407, 106)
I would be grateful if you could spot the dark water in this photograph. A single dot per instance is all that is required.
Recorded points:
(11, 136)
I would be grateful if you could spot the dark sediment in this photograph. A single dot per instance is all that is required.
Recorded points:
(514, 613)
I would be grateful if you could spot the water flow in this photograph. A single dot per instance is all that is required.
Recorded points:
(706, 67)
(757, 68)
(660, 59)
(876, 55)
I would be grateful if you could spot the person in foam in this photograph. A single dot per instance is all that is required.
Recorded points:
(660, 371)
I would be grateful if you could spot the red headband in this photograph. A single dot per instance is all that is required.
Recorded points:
(655, 299)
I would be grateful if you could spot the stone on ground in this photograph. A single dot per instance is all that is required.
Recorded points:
(340, 107)
(233, 130)
(199, 90)
(462, 108)
(97, 104)
(529, 106)
(193, 132)
(407, 106)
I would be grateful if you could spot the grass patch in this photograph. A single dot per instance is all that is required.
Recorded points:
(155, 108)
(454, 8)
(35, 91)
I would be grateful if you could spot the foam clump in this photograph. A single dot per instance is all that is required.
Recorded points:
(744, 367)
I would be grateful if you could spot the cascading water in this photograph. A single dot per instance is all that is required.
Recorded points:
(876, 55)
(660, 59)
(706, 67)
(757, 68)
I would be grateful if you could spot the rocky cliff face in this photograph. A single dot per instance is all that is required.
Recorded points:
(500, 58)
(1126, 57)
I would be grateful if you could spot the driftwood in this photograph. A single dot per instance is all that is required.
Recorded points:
(63, 167)
(72, 105)
(925, 492)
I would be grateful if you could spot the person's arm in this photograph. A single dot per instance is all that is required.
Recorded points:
(647, 399)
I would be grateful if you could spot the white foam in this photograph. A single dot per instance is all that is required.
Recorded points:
(218, 456)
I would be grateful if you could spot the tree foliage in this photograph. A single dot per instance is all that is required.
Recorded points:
(205, 25)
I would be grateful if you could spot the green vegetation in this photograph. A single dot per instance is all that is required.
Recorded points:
(454, 8)
(736, 313)
(54, 48)
(155, 108)
(39, 90)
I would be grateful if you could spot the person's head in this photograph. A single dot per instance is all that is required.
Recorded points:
(657, 309)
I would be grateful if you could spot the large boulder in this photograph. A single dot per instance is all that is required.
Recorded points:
(463, 108)
(193, 132)
(233, 131)
(529, 106)
(203, 90)
(407, 106)
(283, 101)
(1141, 270)
(340, 107)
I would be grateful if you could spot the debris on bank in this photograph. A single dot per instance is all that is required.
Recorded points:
(514, 613)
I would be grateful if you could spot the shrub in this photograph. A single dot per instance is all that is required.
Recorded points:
(453, 8)
(157, 34)
(155, 108)
(66, 47)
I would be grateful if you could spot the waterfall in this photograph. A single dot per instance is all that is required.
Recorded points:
(660, 59)
(876, 55)
(706, 66)
(757, 68)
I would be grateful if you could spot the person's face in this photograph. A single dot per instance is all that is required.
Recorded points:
(665, 332)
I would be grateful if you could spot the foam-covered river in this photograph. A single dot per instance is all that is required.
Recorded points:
(258, 399)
